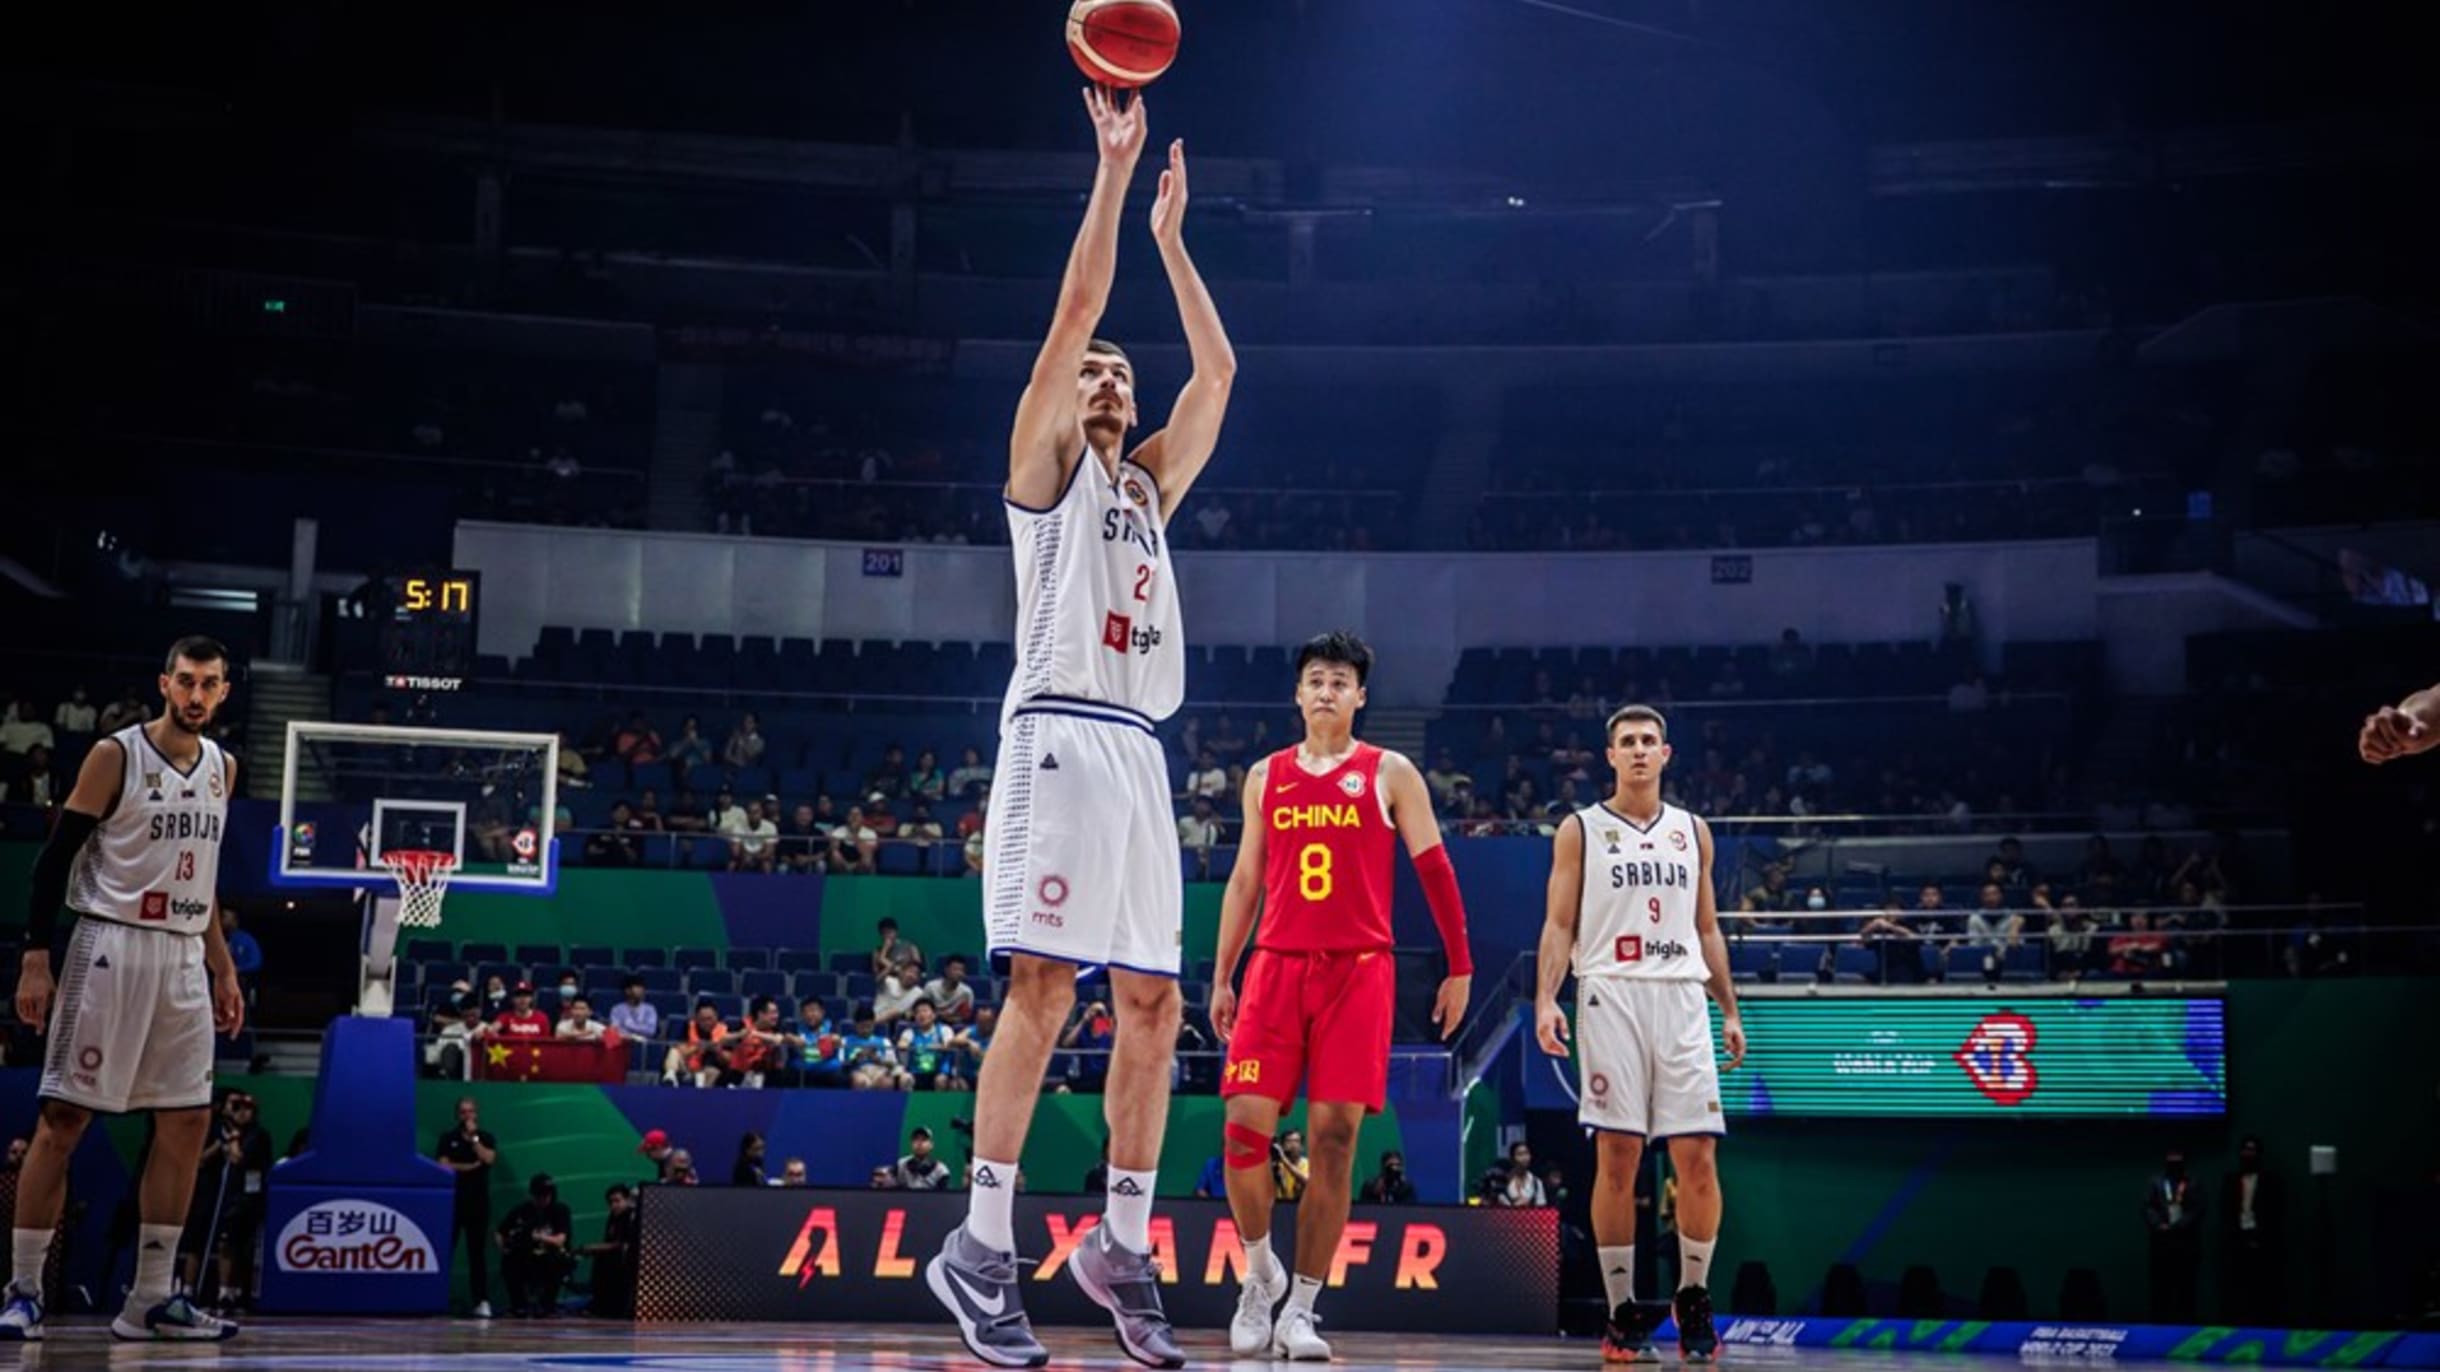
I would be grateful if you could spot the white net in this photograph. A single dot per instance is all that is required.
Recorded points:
(423, 880)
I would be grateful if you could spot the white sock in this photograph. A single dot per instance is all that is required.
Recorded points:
(1618, 1274)
(989, 1205)
(1694, 1255)
(156, 1254)
(1128, 1208)
(1300, 1296)
(28, 1249)
(1260, 1262)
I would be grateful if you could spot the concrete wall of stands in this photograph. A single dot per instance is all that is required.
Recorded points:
(1419, 610)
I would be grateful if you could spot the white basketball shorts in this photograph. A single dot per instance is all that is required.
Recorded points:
(131, 1022)
(1644, 1058)
(1081, 854)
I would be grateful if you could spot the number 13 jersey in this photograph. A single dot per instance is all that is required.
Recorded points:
(1637, 914)
(1097, 609)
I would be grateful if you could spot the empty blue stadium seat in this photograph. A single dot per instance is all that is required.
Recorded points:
(758, 982)
(644, 957)
(590, 955)
(798, 960)
(538, 954)
(2027, 962)
(1751, 961)
(851, 962)
(711, 981)
(1971, 962)
(688, 959)
(1852, 963)
(748, 959)
(484, 952)
(430, 950)
(660, 981)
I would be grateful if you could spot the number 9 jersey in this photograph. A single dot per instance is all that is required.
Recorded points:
(1637, 917)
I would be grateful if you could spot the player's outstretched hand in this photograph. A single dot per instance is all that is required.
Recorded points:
(1224, 1011)
(1118, 124)
(34, 990)
(1169, 207)
(228, 1004)
(1550, 1028)
(2390, 733)
(1732, 1037)
(1449, 1007)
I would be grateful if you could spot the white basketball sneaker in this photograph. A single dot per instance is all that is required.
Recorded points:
(1295, 1338)
(1249, 1334)
(21, 1315)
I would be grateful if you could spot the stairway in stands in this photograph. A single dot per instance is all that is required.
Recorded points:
(277, 693)
(1400, 731)
(685, 438)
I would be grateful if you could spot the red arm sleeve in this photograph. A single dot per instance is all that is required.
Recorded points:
(1448, 907)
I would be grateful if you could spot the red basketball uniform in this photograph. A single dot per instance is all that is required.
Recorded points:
(1321, 985)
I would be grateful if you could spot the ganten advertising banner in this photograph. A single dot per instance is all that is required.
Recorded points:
(740, 1254)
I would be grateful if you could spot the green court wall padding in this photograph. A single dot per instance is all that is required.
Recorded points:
(625, 909)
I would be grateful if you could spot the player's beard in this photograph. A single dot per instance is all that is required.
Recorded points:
(1105, 428)
(184, 723)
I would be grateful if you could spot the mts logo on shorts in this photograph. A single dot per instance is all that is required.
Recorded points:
(1632, 948)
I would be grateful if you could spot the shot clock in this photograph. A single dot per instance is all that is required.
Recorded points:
(426, 624)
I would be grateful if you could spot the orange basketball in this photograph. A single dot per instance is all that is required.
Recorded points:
(1125, 43)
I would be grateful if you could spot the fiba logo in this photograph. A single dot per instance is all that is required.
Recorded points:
(1352, 784)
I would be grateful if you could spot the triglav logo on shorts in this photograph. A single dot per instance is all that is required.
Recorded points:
(354, 1236)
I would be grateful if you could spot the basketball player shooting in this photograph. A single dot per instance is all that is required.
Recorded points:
(145, 980)
(1630, 909)
(1082, 869)
(1319, 820)
(2402, 730)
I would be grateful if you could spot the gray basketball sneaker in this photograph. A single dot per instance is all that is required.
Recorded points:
(1128, 1285)
(979, 1286)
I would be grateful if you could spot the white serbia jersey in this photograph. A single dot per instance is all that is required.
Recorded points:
(154, 861)
(1637, 915)
(1097, 611)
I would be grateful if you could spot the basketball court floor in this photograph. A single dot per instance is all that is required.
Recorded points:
(467, 1346)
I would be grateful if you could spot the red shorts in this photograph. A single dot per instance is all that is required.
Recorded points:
(1318, 1018)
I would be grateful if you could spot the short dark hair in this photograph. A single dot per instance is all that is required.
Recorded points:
(1625, 714)
(581, 999)
(762, 1003)
(632, 981)
(886, 923)
(1338, 646)
(1107, 348)
(197, 648)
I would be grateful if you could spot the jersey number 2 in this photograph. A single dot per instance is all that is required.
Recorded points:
(1143, 581)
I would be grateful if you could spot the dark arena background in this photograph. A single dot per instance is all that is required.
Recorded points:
(2000, 436)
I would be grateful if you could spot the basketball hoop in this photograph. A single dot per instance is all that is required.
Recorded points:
(423, 879)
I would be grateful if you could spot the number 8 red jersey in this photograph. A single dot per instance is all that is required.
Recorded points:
(1328, 849)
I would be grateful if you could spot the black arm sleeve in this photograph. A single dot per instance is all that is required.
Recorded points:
(51, 875)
